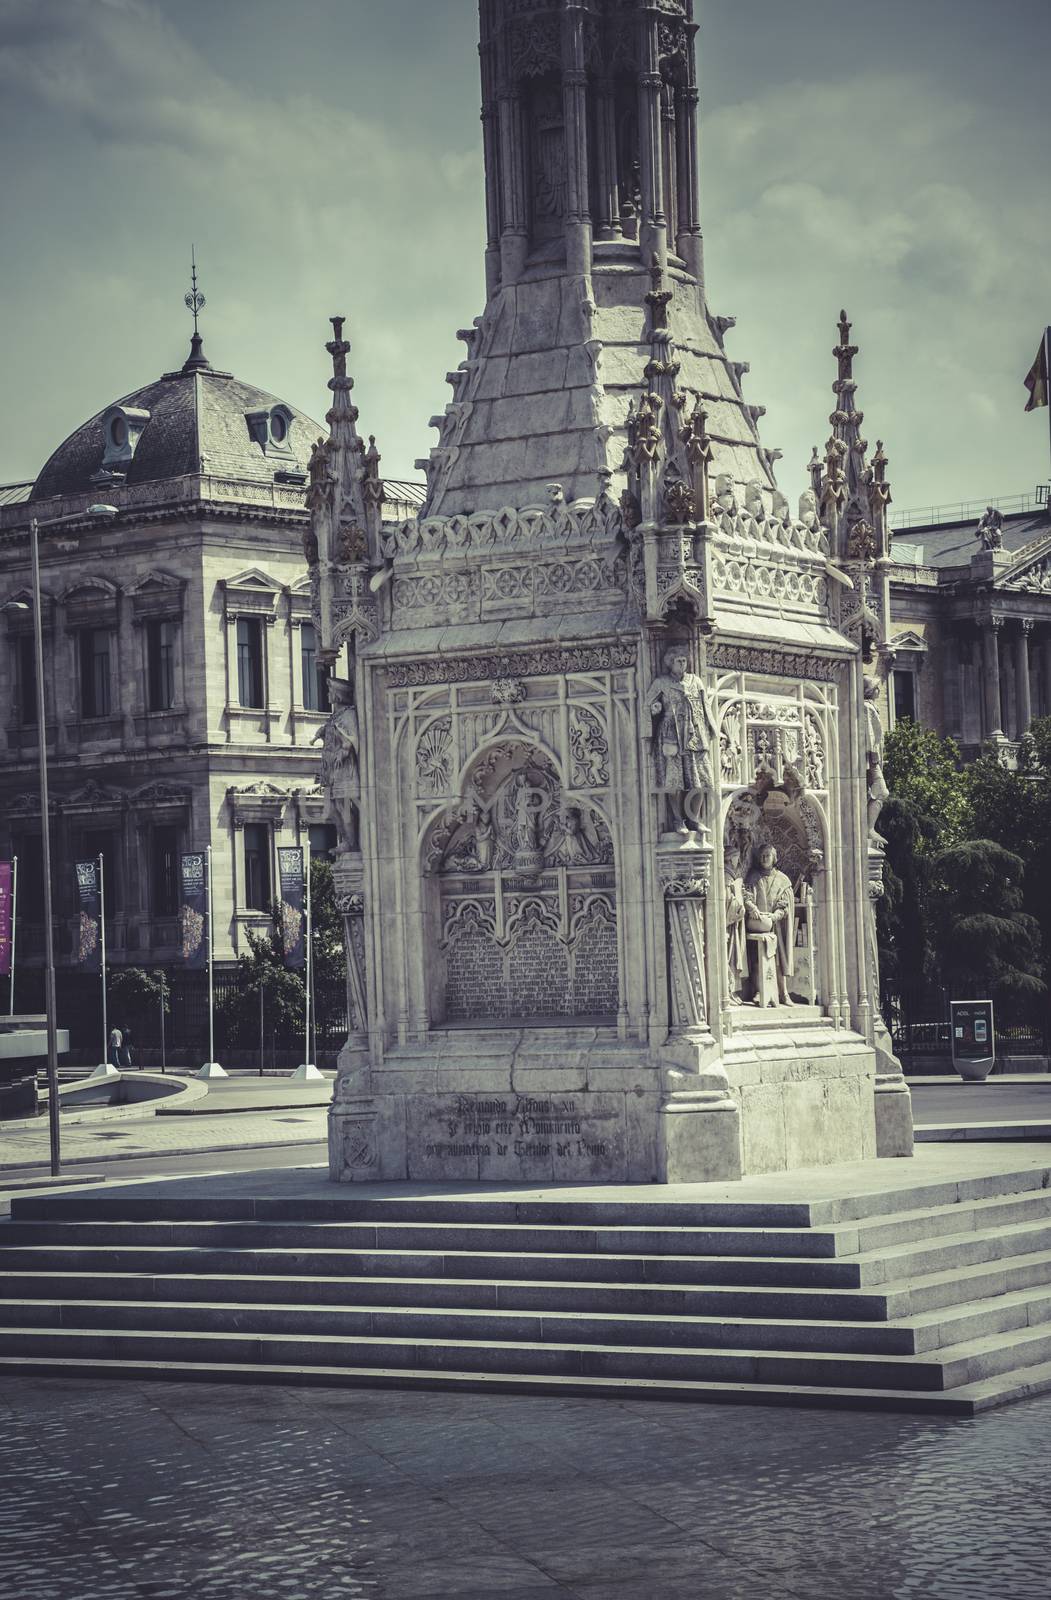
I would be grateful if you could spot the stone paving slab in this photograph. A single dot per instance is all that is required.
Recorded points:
(91, 1143)
(143, 1492)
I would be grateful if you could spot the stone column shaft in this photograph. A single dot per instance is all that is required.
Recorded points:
(607, 207)
(688, 228)
(653, 225)
(1023, 693)
(991, 662)
(575, 116)
(514, 225)
(1046, 663)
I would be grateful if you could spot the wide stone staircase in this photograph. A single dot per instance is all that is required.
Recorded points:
(934, 1298)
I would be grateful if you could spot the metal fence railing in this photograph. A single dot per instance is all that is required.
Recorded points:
(251, 1030)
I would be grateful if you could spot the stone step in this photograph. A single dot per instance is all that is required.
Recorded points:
(981, 1282)
(429, 1323)
(893, 1263)
(973, 1216)
(1007, 1314)
(887, 1266)
(951, 1367)
(671, 1269)
(966, 1401)
(519, 1237)
(348, 1203)
(495, 1294)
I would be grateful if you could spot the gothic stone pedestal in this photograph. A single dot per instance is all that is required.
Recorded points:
(578, 1106)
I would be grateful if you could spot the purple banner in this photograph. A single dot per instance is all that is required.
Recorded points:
(193, 911)
(290, 871)
(88, 949)
(6, 915)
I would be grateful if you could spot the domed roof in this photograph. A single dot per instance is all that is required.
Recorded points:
(195, 420)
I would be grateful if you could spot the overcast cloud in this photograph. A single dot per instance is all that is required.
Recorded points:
(324, 155)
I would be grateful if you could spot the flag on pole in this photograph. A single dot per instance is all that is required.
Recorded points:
(193, 912)
(291, 871)
(1036, 378)
(6, 879)
(88, 951)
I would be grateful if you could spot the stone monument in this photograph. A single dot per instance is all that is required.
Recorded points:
(599, 758)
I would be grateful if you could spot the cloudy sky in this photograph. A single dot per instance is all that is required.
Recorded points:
(325, 156)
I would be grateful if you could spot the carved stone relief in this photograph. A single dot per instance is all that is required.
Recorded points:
(526, 894)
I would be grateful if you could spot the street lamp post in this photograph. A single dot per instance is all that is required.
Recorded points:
(51, 1019)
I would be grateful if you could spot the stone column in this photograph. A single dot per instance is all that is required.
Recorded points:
(607, 207)
(688, 229)
(1045, 652)
(699, 1127)
(991, 661)
(514, 236)
(491, 149)
(653, 225)
(1023, 693)
(669, 157)
(575, 116)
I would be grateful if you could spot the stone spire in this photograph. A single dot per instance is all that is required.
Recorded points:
(854, 495)
(345, 498)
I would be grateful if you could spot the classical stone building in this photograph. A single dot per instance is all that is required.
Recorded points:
(971, 610)
(183, 695)
(605, 765)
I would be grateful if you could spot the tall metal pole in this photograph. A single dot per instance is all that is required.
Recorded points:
(211, 985)
(308, 1057)
(102, 951)
(50, 1002)
(14, 929)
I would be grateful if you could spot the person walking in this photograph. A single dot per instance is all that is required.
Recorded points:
(125, 1054)
(116, 1039)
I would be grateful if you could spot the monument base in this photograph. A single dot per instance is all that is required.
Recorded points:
(582, 1106)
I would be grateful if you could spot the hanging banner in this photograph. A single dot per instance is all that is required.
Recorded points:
(88, 952)
(6, 915)
(290, 871)
(193, 911)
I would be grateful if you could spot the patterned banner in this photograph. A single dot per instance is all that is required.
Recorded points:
(193, 911)
(88, 952)
(6, 913)
(293, 941)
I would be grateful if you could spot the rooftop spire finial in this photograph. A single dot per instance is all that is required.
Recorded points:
(195, 302)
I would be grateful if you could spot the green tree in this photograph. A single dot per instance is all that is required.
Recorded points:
(135, 998)
(923, 772)
(262, 972)
(987, 943)
(927, 811)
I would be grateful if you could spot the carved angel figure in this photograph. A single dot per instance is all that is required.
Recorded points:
(683, 729)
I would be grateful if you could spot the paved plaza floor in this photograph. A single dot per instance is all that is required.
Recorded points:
(118, 1491)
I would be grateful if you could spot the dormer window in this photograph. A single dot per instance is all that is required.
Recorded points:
(270, 427)
(122, 428)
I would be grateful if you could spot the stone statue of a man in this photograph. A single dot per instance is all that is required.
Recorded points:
(683, 729)
(339, 763)
(875, 782)
(770, 914)
(991, 529)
